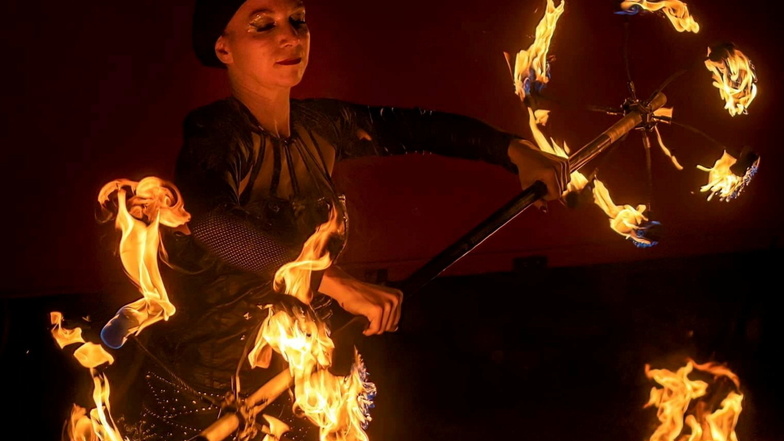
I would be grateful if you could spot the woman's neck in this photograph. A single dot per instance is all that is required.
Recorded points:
(271, 107)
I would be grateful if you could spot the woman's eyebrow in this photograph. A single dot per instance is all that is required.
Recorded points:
(260, 11)
(299, 6)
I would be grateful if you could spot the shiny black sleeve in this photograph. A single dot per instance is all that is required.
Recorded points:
(361, 130)
(215, 156)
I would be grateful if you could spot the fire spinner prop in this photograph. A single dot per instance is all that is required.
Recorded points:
(325, 372)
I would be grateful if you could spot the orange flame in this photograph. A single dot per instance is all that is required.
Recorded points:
(675, 11)
(337, 405)
(63, 336)
(531, 65)
(733, 74)
(682, 401)
(154, 202)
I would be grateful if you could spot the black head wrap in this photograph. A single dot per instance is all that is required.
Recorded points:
(210, 18)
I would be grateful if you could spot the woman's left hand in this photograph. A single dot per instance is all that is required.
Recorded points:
(380, 304)
(535, 165)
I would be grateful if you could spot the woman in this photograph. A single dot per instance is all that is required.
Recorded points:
(255, 174)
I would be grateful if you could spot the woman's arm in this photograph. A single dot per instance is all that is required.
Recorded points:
(215, 158)
(359, 130)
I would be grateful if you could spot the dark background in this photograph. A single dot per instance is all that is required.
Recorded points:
(543, 330)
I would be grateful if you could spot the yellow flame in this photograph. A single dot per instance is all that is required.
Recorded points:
(624, 219)
(721, 180)
(675, 11)
(736, 80)
(154, 202)
(531, 65)
(337, 405)
(678, 404)
(100, 416)
(275, 430)
(294, 277)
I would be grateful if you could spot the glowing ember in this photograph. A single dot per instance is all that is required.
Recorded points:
(625, 220)
(682, 401)
(722, 181)
(675, 11)
(337, 405)
(733, 74)
(154, 202)
(531, 68)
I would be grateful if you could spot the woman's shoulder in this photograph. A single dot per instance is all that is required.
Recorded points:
(325, 106)
(225, 112)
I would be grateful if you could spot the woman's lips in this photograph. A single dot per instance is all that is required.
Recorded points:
(290, 61)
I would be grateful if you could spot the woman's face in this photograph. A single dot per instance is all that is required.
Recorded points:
(267, 42)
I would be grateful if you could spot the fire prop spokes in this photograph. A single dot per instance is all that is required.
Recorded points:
(709, 410)
(732, 73)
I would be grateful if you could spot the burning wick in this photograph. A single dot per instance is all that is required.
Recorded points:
(709, 410)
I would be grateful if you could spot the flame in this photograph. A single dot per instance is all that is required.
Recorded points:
(154, 202)
(723, 182)
(531, 67)
(625, 220)
(664, 114)
(275, 430)
(675, 11)
(79, 426)
(99, 425)
(682, 401)
(577, 181)
(102, 422)
(63, 336)
(337, 405)
(734, 75)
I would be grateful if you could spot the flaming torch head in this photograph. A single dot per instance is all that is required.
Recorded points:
(729, 176)
(647, 234)
(746, 166)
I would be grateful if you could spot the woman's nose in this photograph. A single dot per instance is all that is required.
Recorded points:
(290, 34)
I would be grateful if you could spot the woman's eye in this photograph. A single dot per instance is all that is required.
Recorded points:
(261, 27)
(297, 21)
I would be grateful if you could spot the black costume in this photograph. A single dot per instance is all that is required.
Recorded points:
(254, 199)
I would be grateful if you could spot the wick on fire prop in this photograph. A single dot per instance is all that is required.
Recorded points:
(330, 360)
